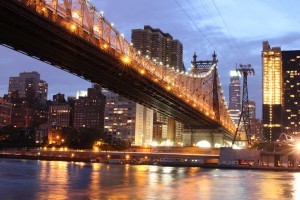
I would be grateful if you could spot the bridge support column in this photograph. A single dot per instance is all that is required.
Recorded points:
(171, 129)
(215, 137)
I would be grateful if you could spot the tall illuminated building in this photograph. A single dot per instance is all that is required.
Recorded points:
(291, 91)
(234, 108)
(272, 92)
(126, 120)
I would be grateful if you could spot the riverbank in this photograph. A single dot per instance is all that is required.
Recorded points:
(249, 167)
(113, 157)
(88, 158)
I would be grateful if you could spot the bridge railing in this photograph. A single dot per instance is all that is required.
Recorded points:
(82, 19)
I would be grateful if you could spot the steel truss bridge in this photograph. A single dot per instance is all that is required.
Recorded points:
(72, 35)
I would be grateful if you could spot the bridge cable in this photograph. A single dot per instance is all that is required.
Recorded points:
(233, 39)
(195, 24)
(217, 24)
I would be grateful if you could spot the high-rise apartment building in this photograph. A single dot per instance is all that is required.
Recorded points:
(291, 91)
(29, 85)
(89, 110)
(234, 108)
(158, 46)
(126, 120)
(119, 116)
(143, 125)
(272, 92)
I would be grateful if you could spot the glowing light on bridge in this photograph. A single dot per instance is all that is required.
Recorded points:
(75, 15)
(126, 59)
(73, 27)
(105, 46)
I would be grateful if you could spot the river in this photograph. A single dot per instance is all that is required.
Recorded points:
(31, 179)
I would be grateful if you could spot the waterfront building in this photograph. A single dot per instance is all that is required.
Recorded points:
(272, 92)
(41, 133)
(55, 135)
(59, 112)
(29, 85)
(234, 108)
(291, 91)
(5, 112)
(119, 116)
(126, 120)
(89, 110)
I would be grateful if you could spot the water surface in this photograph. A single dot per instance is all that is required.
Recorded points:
(30, 179)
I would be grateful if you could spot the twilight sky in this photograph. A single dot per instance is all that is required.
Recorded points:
(234, 29)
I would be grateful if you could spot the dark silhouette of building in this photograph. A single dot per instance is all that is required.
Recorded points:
(59, 112)
(30, 86)
(291, 91)
(89, 111)
(59, 99)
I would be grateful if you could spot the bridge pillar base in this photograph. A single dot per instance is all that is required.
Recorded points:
(215, 137)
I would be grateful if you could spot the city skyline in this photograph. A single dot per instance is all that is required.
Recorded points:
(201, 30)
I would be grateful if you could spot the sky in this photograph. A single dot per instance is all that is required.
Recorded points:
(234, 29)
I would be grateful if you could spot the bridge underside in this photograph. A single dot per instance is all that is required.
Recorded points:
(25, 31)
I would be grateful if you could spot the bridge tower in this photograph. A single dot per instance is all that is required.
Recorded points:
(203, 66)
(244, 70)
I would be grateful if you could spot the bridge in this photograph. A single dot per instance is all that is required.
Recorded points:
(75, 37)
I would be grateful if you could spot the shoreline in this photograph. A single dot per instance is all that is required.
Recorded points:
(175, 164)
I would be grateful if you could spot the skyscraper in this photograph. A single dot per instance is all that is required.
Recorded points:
(291, 91)
(234, 108)
(272, 92)
(158, 46)
(252, 110)
(29, 85)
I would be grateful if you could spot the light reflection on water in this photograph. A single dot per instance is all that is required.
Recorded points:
(25, 179)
